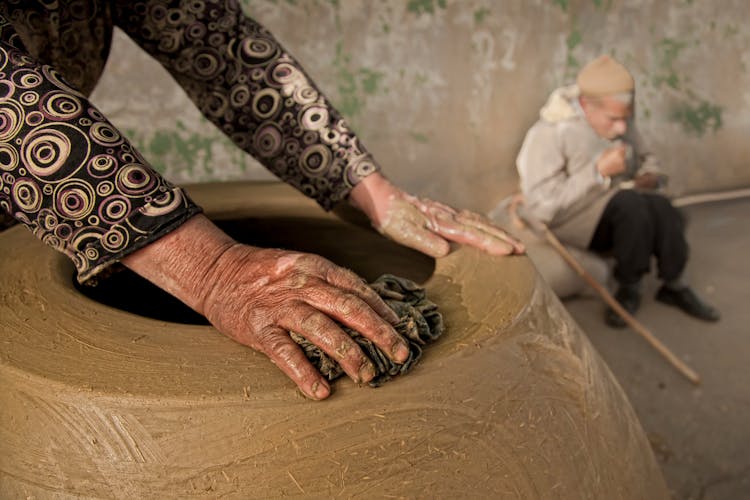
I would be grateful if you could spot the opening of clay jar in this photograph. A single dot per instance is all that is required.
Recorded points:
(359, 249)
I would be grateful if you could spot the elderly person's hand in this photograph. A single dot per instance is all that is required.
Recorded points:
(257, 296)
(613, 161)
(647, 180)
(426, 225)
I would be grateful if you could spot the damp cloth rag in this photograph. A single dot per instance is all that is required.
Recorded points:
(419, 323)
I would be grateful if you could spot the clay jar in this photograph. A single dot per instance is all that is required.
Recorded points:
(512, 401)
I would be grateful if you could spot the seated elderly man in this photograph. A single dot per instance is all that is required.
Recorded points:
(585, 172)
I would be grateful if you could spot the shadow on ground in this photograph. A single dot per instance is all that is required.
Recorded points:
(700, 434)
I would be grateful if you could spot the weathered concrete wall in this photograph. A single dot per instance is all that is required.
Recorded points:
(442, 91)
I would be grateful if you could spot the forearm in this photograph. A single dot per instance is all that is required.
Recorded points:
(71, 177)
(183, 261)
(366, 195)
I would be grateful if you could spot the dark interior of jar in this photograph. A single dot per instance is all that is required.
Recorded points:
(360, 249)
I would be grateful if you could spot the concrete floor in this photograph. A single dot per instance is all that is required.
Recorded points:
(700, 434)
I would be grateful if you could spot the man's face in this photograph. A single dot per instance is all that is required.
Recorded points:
(608, 115)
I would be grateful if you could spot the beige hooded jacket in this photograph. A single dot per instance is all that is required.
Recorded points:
(557, 167)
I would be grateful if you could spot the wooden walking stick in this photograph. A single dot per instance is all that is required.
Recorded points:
(540, 227)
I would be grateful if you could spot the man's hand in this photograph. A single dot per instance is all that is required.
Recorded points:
(427, 225)
(647, 180)
(257, 296)
(612, 161)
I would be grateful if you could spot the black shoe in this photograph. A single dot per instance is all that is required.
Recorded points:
(629, 297)
(688, 301)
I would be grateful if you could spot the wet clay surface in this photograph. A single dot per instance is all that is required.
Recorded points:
(512, 401)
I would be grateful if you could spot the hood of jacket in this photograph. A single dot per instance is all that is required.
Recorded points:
(561, 105)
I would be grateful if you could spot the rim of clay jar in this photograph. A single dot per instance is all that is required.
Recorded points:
(56, 338)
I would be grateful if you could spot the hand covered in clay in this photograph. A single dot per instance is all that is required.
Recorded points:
(426, 225)
(256, 296)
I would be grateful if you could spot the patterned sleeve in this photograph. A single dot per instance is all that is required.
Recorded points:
(249, 86)
(69, 175)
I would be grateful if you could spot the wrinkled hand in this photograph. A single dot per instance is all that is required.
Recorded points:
(256, 296)
(612, 161)
(647, 180)
(426, 225)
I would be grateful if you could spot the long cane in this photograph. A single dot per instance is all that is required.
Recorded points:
(540, 227)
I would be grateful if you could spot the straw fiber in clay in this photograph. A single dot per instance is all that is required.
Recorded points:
(510, 402)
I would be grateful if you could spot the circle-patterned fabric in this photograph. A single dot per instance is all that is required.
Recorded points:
(76, 181)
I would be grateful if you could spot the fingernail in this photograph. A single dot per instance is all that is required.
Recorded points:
(320, 390)
(366, 372)
(400, 351)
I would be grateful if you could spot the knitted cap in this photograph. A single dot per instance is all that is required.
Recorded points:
(604, 76)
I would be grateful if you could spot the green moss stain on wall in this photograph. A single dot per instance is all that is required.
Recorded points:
(695, 114)
(419, 137)
(182, 151)
(698, 118)
(731, 30)
(349, 102)
(571, 42)
(563, 4)
(370, 80)
(424, 6)
(480, 14)
(668, 50)
(353, 84)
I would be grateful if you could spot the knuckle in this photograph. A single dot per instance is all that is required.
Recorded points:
(281, 349)
(349, 304)
(343, 349)
(335, 274)
(312, 262)
(371, 296)
(298, 280)
(268, 337)
(387, 333)
(313, 321)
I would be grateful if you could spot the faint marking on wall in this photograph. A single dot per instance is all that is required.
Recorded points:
(509, 38)
(485, 65)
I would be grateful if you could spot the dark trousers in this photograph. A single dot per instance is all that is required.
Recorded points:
(637, 225)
